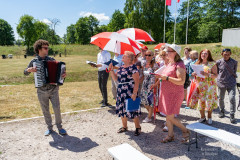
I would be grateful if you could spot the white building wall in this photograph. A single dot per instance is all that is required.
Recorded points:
(231, 37)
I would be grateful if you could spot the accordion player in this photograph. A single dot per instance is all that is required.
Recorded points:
(49, 72)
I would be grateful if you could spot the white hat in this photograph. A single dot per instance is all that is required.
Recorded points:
(174, 47)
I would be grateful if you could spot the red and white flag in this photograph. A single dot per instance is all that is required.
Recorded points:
(168, 2)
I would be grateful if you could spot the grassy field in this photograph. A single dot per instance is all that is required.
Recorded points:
(80, 90)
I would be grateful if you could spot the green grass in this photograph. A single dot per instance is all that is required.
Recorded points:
(77, 70)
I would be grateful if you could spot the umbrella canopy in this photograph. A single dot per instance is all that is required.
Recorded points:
(136, 34)
(159, 45)
(115, 42)
(139, 44)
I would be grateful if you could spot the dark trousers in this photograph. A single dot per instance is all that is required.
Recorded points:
(102, 81)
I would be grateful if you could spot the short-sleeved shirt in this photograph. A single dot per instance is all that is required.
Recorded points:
(225, 77)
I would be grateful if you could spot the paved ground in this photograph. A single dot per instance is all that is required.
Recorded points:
(92, 133)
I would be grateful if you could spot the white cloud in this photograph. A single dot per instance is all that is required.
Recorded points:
(100, 16)
(46, 21)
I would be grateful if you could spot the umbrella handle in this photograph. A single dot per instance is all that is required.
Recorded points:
(108, 70)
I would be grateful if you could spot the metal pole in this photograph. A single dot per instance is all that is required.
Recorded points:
(164, 22)
(187, 23)
(175, 23)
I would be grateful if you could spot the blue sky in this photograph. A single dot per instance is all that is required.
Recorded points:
(67, 11)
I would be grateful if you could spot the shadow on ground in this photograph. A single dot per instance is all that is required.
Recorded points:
(72, 143)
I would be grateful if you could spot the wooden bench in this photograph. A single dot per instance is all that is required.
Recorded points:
(126, 152)
(214, 133)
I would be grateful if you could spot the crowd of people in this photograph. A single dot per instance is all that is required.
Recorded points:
(134, 76)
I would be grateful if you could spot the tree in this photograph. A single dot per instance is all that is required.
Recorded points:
(85, 28)
(54, 37)
(71, 34)
(6, 32)
(117, 21)
(26, 30)
(147, 15)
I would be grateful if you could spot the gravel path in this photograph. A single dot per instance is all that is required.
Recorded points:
(91, 133)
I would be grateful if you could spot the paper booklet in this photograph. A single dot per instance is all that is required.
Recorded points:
(160, 70)
(114, 63)
(131, 105)
(91, 63)
(197, 69)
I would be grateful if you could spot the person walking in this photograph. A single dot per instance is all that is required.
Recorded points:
(172, 92)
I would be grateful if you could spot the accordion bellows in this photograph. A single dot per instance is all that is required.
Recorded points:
(49, 72)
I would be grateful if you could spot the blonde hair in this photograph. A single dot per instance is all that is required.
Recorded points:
(195, 54)
(131, 55)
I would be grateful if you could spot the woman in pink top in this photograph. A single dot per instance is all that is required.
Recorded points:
(172, 92)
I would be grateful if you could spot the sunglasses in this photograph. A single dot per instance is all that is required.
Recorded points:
(46, 48)
(228, 50)
(148, 55)
(163, 55)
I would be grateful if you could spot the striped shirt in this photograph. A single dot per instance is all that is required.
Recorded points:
(225, 77)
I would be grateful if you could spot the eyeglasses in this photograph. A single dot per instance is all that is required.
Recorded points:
(46, 48)
(149, 55)
(226, 49)
(170, 51)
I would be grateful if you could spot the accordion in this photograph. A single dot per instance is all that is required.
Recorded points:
(49, 72)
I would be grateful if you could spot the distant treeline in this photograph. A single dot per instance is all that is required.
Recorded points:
(207, 19)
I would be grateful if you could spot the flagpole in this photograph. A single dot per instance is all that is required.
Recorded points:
(175, 23)
(164, 22)
(187, 23)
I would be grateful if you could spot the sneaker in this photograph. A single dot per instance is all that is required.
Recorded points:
(147, 120)
(232, 119)
(221, 114)
(201, 120)
(48, 132)
(209, 121)
(62, 131)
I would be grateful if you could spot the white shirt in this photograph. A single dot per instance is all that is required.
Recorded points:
(103, 57)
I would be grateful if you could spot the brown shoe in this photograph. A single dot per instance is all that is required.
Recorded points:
(167, 139)
(186, 137)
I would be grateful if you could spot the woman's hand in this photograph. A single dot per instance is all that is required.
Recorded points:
(133, 97)
(194, 74)
(204, 73)
(110, 67)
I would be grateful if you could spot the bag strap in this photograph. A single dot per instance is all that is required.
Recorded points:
(229, 69)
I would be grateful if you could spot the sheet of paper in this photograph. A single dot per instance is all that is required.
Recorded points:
(197, 69)
(160, 70)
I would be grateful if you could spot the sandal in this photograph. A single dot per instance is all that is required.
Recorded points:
(122, 129)
(167, 139)
(165, 129)
(137, 132)
(185, 139)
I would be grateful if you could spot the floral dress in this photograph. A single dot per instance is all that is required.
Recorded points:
(148, 81)
(125, 90)
(205, 96)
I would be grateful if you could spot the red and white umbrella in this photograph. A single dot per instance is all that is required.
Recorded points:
(159, 45)
(139, 44)
(115, 42)
(136, 34)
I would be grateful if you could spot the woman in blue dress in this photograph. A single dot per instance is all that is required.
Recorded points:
(128, 82)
